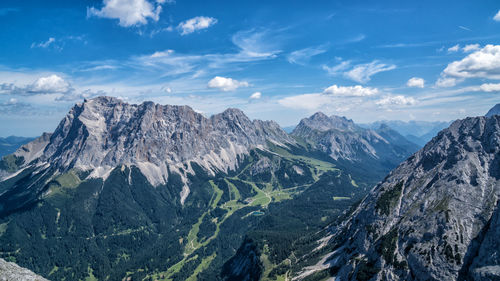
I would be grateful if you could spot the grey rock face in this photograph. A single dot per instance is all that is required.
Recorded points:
(435, 217)
(344, 140)
(102, 133)
(494, 110)
(33, 150)
(12, 272)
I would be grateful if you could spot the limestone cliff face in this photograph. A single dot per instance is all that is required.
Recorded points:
(103, 133)
(435, 217)
(12, 272)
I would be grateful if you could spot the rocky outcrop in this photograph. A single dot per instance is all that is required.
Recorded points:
(435, 217)
(10, 271)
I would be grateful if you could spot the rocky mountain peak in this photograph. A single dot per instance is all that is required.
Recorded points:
(102, 133)
(321, 122)
(432, 218)
(494, 110)
(343, 140)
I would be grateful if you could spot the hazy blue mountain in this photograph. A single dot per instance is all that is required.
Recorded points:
(10, 144)
(289, 129)
(418, 132)
(494, 110)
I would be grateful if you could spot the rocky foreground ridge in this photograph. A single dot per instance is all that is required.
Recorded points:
(10, 271)
(435, 217)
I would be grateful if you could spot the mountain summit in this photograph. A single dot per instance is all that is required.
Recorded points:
(105, 132)
(435, 217)
(344, 141)
(494, 110)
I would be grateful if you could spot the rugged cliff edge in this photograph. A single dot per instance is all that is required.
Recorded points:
(435, 217)
(10, 271)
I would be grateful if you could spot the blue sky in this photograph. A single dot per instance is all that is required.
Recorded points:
(280, 60)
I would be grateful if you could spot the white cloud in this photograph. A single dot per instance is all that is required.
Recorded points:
(256, 96)
(398, 100)
(484, 63)
(226, 84)
(128, 12)
(161, 54)
(487, 87)
(302, 56)
(471, 48)
(454, 49)
(50, 84)
(306, 101)
(362, 73)
(167, 90)
(194, 24)
(446, 82)
(350, 91)
(497, 16)
(45, 44)
(416, 82)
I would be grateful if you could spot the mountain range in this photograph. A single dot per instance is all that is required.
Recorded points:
(123, 191)
(418, 132)
(162, 192)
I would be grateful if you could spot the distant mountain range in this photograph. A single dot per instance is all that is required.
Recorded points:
(418, 132)
(10, 144)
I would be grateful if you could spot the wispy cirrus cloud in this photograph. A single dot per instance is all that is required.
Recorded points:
(360, 73)
(303, 56)
(251, 46)
(44, 44)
